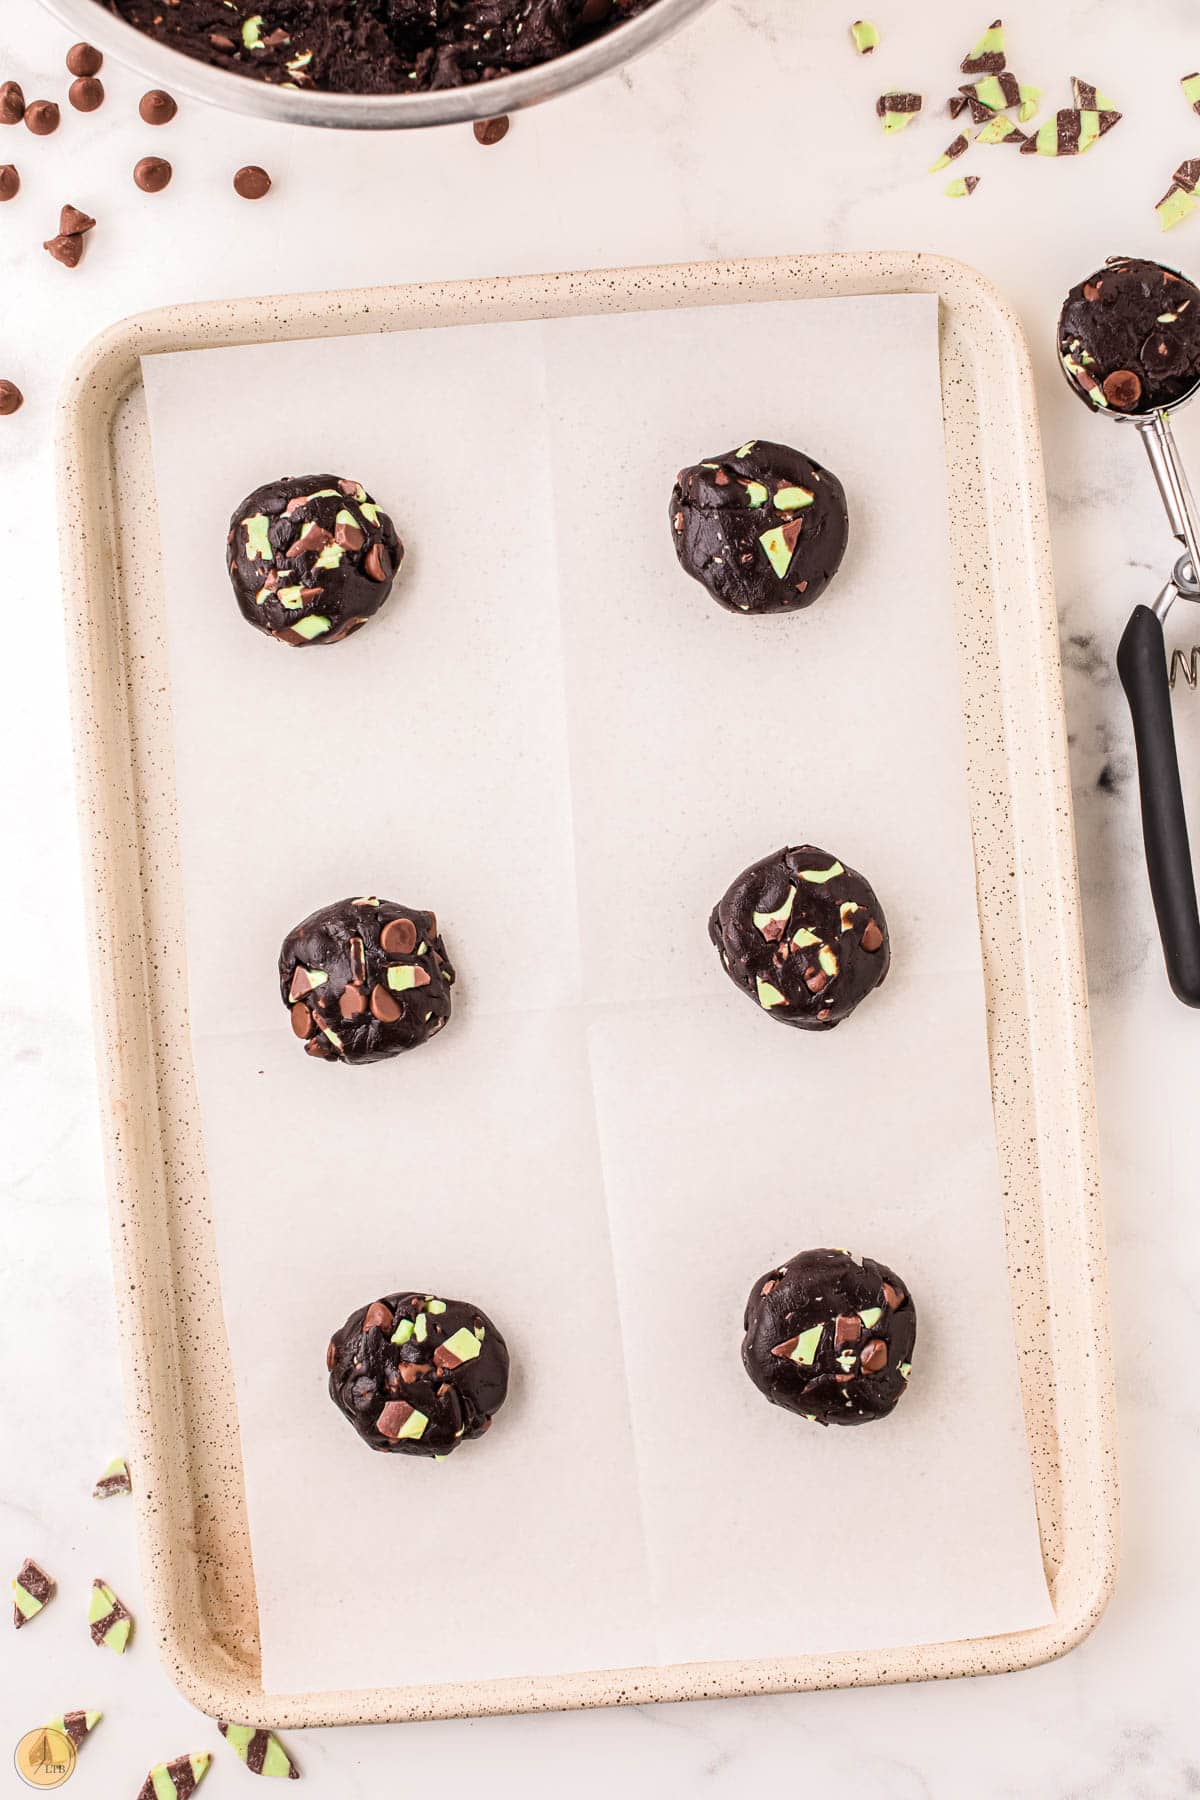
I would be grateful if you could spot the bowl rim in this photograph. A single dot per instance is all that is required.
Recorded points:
(184, 74)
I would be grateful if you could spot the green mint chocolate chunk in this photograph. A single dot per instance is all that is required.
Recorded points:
(871, 1317)
(864, 36)
(906, 1370)
(791, 499)
(805, 938)
(330, 557)
(756, 493)
(435, 1307)
(414, 1425)
(420, 1328)
(781, 915)
(252, 32)
(258, 544)
(768, 995)
(403, 1331)
(807, 1345)
(1174, 207)
(463, 1344)
(779, 551)
(292, 597)
(1030, 97)
(1191, 90)
(315, 626)
(401, 977)
(828, 959)
(821, 875)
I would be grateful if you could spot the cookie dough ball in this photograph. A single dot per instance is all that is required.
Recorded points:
(763, 527)
(1129, 336)
(830, 1338)
(416, 1374)
(364, 979)
(311, 558)
(803, 935)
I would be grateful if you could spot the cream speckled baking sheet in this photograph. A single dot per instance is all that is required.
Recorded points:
(200, 1577)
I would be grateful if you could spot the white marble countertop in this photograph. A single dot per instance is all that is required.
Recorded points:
(753, 132)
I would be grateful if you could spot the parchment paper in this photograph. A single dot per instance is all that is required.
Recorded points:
(561, 744)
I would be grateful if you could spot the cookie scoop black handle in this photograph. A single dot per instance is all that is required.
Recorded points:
(1142, 666)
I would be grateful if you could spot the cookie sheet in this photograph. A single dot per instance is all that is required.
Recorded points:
(557, 741)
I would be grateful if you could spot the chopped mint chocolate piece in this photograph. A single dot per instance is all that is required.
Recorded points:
(864, 36)
(115, 1480)
(897, 109)
(1000, 130)
(1030, 96)
(1191, 90)
(768, 995)
(259, 1749)
(110, 1622)
(75, 1726)
(987, 57)
(771, 924)
(1177, 204)
(1069, 133)
(1087, 98)
(952, 151)
(32, 1588)
(176, 1780)
(994, 92)
(463, 1346)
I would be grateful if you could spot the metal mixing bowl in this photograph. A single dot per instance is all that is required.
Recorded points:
(369, 112)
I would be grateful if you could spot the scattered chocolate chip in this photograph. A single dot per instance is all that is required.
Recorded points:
(84, 59)
(874, 1357)
(71, 220)
(152, 174)
(375, 564)
(398, 937)
(330, 1353)
(157, 107)
(66, 248)
(378, 1317)
(221, 41)
(252, 182)
(86, 93)
(11, 398)
(10, 181)
(12, 103)
(766, 1287)
(353, 1002)
(849, 1330)
(349, 536)
(872, 937)
(42, 117)
(892, 1296)
(1091, 290)
(1122, 389)
(490, 131)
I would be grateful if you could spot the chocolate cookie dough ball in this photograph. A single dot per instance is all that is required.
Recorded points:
(311, 558)
(803, 935)
(364, 979)
(830, 1338)
(416, 1374)
(763, 528)
(1129, 336)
